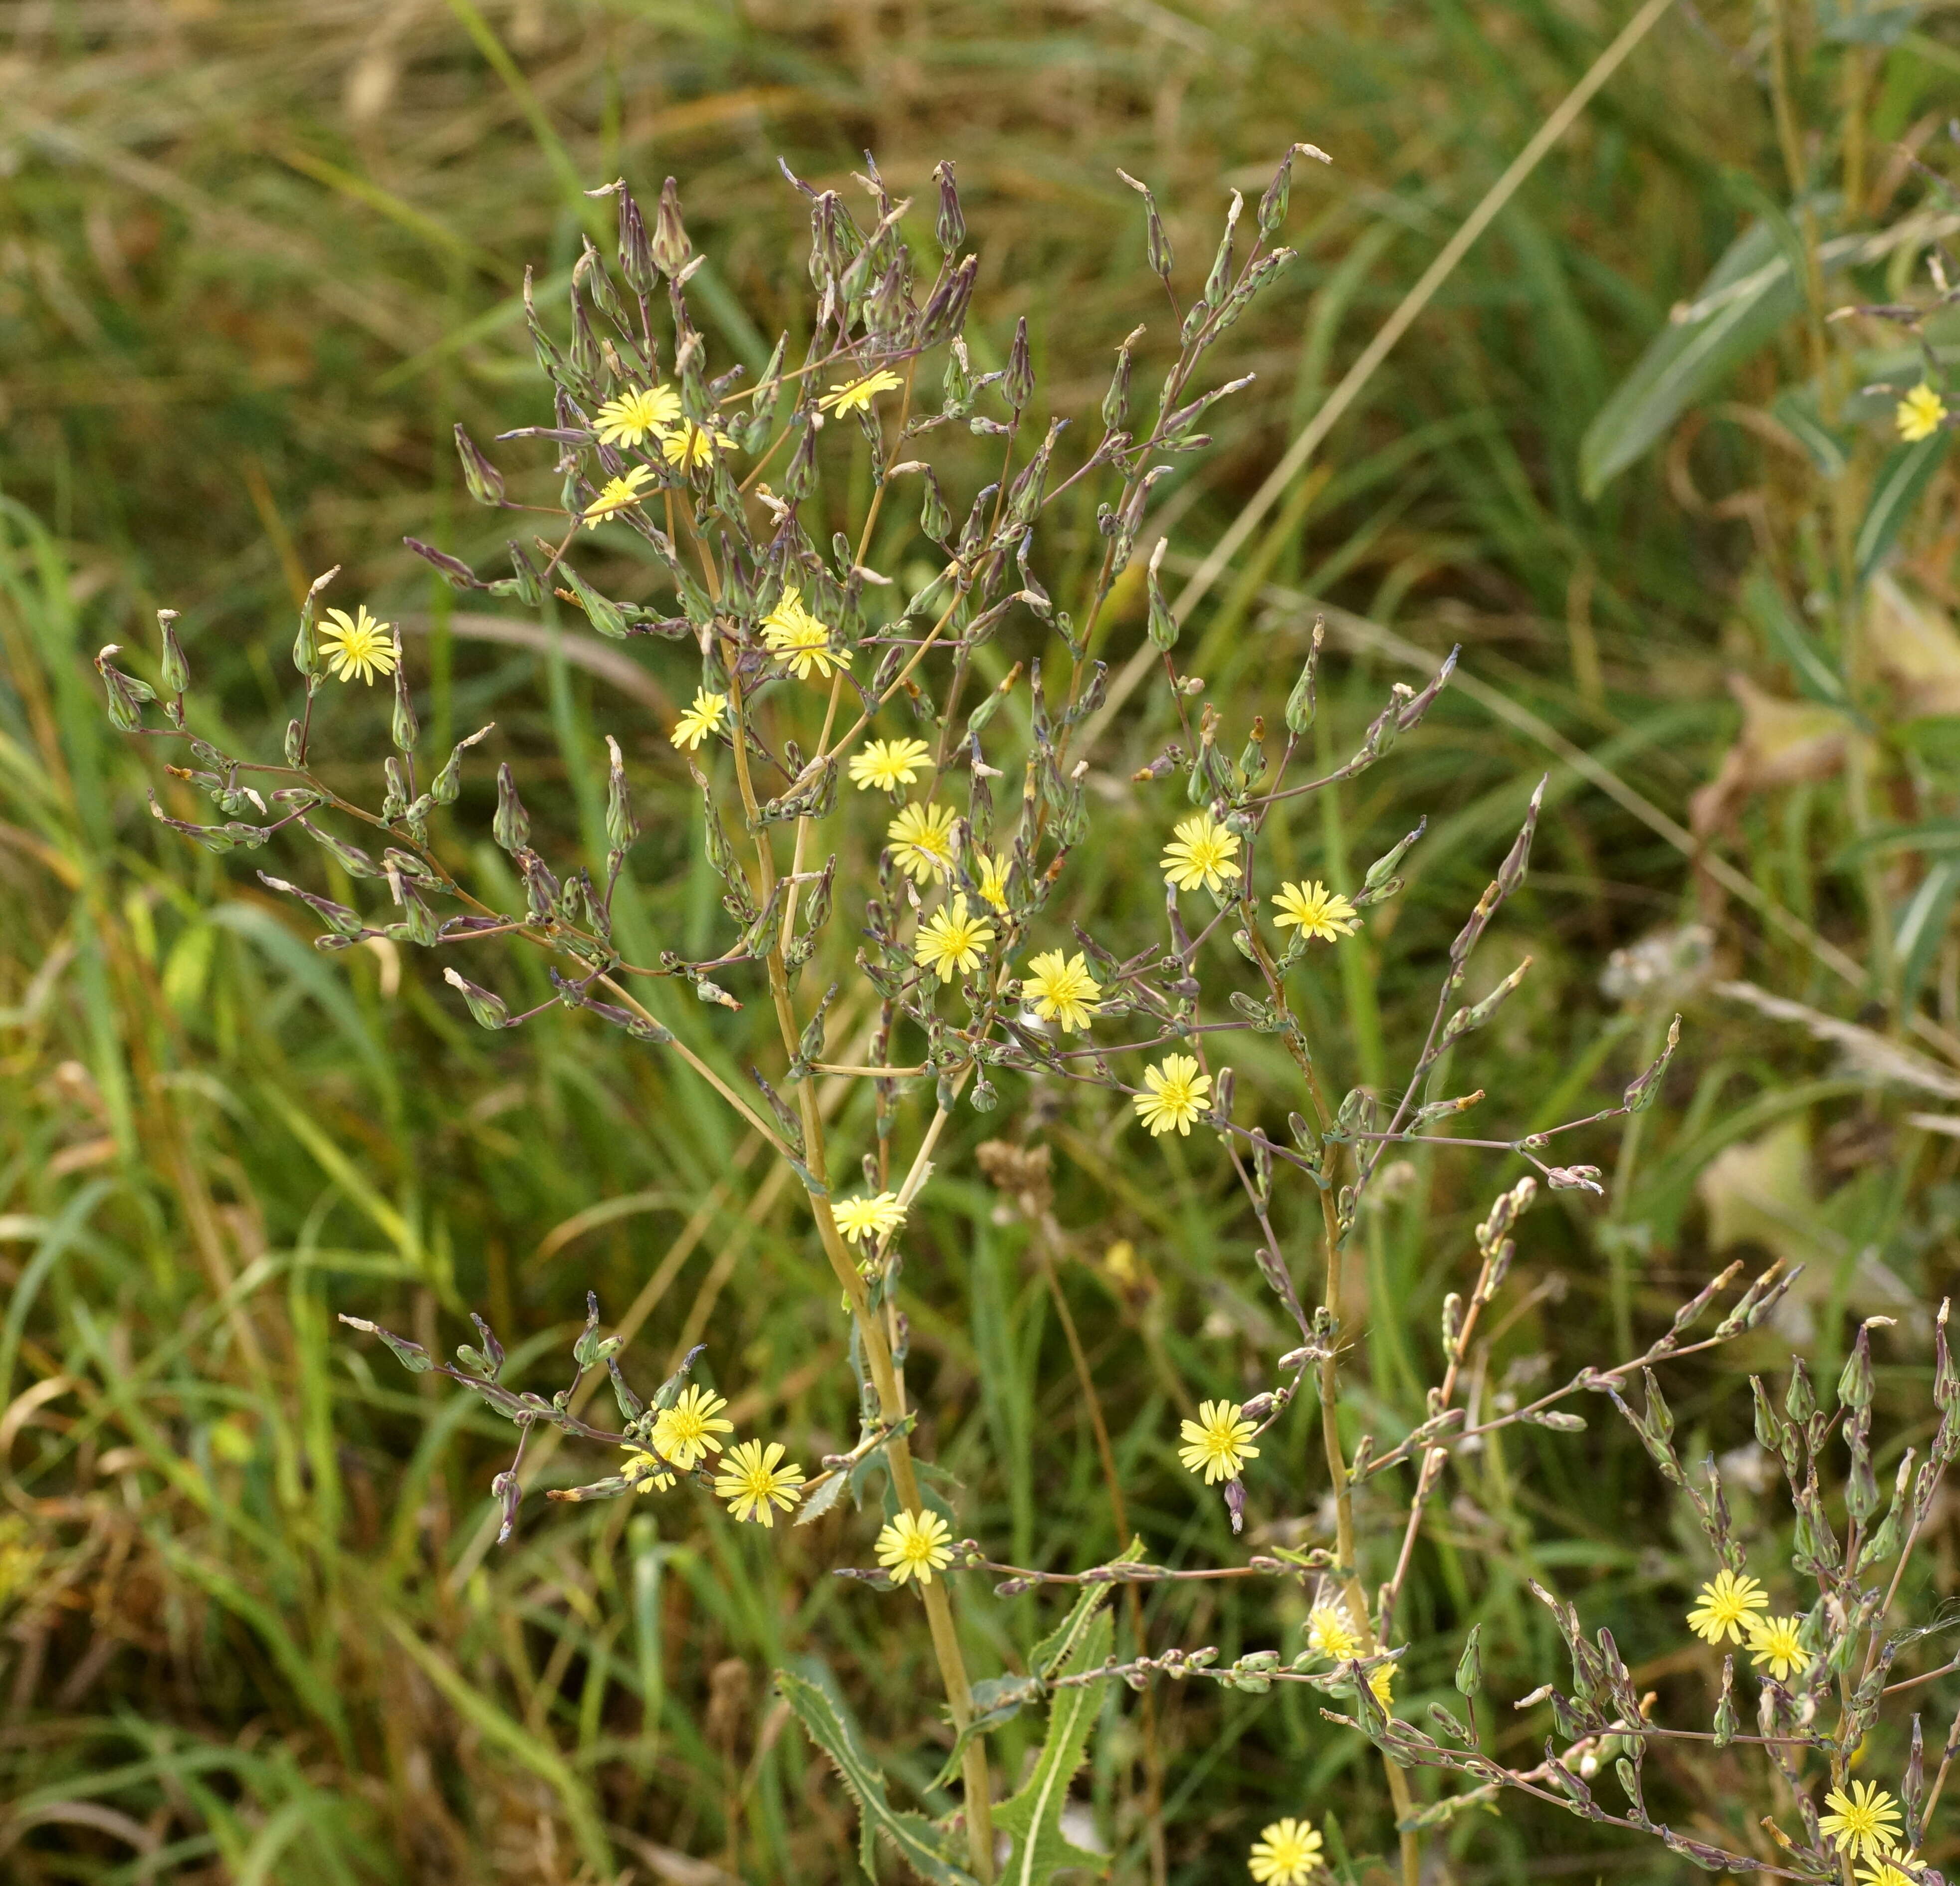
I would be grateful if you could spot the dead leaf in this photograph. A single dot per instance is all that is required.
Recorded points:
(1782, 743)
(1916, 648)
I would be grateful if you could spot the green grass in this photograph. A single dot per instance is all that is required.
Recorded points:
(254, 1629)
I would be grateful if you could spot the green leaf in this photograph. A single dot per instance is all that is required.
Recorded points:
(1795, 408)
(1904, 476)
(1921, 925)
(916, 1837)
(1765, 604)
(1032, 1819)
(996, 1700)
(1751, 294)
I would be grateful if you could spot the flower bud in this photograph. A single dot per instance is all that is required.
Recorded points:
(952, 230)
(636, 255)
(670, 248)
(1299, 706)
(486, 483)
(1018, 386)
(487, 1010)
(174, 670)
(403, 727)
(512, 826)
(1163, 626)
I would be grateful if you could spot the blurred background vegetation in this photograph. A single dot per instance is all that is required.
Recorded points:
(257, 257)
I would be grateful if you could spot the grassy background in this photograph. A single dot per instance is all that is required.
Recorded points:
(255, 261)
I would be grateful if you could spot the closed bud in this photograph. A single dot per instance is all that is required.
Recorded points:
(306, 645)
(530, 582)
(1156, 244)
(670, 248)
(1273, 204)
(1116, 401)
(1299, 706)
(1220, 281)
(1470, 1665)
(952, 230)
(1385, 867)
(126, 694)
(800, 480)
(1018, 386)
(1854, 1385)
(1800, 1400)
(403, 729)
(934, 519)
(620, 830)
(1725, 1710)
(1163, 626)
(956, 387)
(636, 255)
(174, 670)
(295, 745)
(443, 788)
(487, 1010)
(485, 482)
(605, 615)
(512, 827)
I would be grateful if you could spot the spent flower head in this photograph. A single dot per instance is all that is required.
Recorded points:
(1219, 1443)
(1725, 1607)
(755, 1484)
(357, 647)
(1202, 853)
(1176, 1094)
(914, 1546)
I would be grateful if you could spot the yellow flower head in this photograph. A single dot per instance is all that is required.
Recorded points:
(1920, 415)
(687, 445)
(887, 765)
(1775, 1642)
(1382, 1683)
(754, 1484)
(1316, 911)
(1726, 1606)
(921, 841)
(358, 647)
(1202, 853)
(1175, 1095)
(991, 874)
(646, 1473)
(1218, 1443)
(874, 1217)
(1884, 1873)
(859, 394)
(687, 1432)
(1330, 1634)
(1862, 1823)
(1061, 990)
(913, 1545)
(952, 940)
(703, 718)
(617, 494)
(628, 419)
(1287, 1853)
(798, 639)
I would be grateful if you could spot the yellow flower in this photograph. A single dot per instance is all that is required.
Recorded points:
(1920, 415)
(1061, 991)
(991, 873)
(1381, 1683)
(798, 639)
(617, 494)
(754, 1485)
(1329, 1633)
(1202, 853)
(646, 1473)
(1177, 1094)
(859, 394)
(887, 764)
(921, 841)
(869, 1217)
(358, 647)
(1883, 1873)
(1316, 910)
(1863, 1822)
(627, 420)
(685, 1432)
(1726, 1606)
(703, 718)
(951, 941)
(1773, 1641)
(687, 445)
(913, 1545)
(1218, 1443)
(1287, 1853)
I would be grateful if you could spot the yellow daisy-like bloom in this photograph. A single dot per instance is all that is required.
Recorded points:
(887, 765)
(703, 718)
(1382, 1683)
(1862, 1823)
(913, 1545)
(859, 394)
(798, 639)
(646, 1473)
(1177, 1094)
(1920, 415)
(1726, 1607)
(358, 647)
(991, 874)
(1884, 1873)
(630, 418)
(1202, 853)
(872, 1216)
(1218, 1443)
(1773, 1641)
(1061, 990)
(1315, 911)
(921, 841)
(754, 1484)
(687, 1432)
(952, 940)
(686, 445)
(1287, 1853)
(1330, 1634)
(617, 494)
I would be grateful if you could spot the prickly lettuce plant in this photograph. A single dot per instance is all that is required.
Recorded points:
(888, 803)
